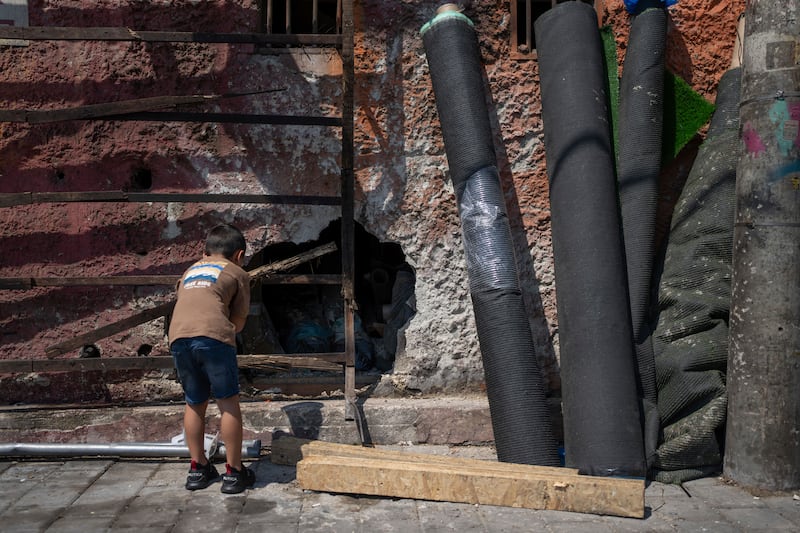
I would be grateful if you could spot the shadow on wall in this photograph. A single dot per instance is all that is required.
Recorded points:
(148, 69)
(305, 419)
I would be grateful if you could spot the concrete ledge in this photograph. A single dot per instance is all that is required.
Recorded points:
(443, 420)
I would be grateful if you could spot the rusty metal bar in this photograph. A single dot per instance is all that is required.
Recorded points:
(528, 25)
(52, 33)
(348, 224)
(269, 16)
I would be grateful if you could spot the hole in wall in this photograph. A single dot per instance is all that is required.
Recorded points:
(144, 350)
(307, 318)
(89, 351)
(141, 179)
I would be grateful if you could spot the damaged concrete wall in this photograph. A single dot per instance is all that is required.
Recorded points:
(403, 194)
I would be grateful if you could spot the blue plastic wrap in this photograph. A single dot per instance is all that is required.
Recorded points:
(631, 5)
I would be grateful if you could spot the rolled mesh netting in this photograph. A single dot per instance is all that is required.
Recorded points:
(691, 335)
(517, 402)
(602, 426)
(641, 114)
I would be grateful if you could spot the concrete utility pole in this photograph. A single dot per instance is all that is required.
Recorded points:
(763, 431)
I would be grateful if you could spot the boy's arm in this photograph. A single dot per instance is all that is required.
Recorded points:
(240, 306)
(239, 322)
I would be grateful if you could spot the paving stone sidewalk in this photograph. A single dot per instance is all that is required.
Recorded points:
(148, 495)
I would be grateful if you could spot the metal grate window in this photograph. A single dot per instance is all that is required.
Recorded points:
(303, 16)
(523, 14)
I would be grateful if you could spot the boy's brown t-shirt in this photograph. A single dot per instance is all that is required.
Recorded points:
(210, 292)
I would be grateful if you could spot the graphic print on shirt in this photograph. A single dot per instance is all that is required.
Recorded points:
(203, 275)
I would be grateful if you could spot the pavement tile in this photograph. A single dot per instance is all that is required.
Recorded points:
(152, 507)
(149, 529)
(29, 472)
(328, 512)
(90, 467)
(30, 519)
(80, 524)
(785, 506)
(686, 510)
(54, 484)
(10, 492)
(656, 491)
(170, 474)
(570, 527)
(387, 515)
(111, 492)
(564, 516)
(757, 520)
(148, 496)
(509, 519)
(441, 516)
(206, 511)
(720, 495)
(262, 509)
(621, 525)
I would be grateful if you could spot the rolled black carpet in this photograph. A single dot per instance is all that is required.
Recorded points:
(602, 429)
(517, 403)
(691, 336)
(640, 140)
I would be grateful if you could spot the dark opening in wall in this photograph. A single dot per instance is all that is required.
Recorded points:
(141, 179)
(523, 14)
(305, 318)
(301, 16)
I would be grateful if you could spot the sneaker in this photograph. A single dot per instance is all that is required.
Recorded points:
(201, 476)
(235, 481)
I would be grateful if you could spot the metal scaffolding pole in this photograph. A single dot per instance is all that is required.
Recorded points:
(763, 431)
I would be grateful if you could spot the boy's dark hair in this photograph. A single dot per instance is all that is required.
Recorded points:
(225, 240)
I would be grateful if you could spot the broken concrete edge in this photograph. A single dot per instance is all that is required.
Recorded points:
(440, 420)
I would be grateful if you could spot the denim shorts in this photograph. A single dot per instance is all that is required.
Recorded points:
(205, 366)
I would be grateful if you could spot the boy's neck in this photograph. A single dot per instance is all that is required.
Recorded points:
(217, 257)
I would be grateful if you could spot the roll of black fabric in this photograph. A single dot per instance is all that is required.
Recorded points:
(517, 402)
(640, 141)
(602, 429)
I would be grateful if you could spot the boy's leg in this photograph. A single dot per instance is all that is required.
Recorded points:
(231, 429)
(187, 354)
(194, 428)
(237, 477)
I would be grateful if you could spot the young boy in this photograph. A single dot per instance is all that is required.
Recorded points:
(213, 303)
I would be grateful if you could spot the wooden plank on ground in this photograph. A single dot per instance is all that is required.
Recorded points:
(526, 487)
(287, 448)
